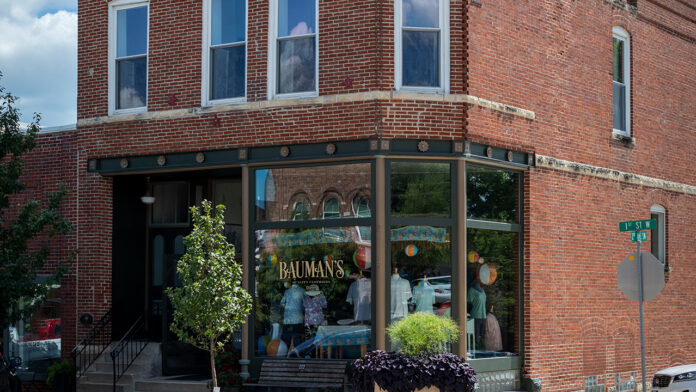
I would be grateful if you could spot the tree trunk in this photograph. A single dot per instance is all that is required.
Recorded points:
(212, 363)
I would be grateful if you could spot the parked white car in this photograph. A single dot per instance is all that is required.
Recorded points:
(677, 378)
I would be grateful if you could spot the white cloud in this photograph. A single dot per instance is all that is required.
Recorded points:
(38, 57)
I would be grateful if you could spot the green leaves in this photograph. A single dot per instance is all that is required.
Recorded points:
(32, 223)
(211, 304)
(423, 333)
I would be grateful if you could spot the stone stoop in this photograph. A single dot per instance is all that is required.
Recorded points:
(99, 377)
(171, 384)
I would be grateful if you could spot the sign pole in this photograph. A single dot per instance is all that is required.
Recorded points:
(640, 301)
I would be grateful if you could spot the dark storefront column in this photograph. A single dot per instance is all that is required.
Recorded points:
(245, 265)
(460, 267)
(380, 262)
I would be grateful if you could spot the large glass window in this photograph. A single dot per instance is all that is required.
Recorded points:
(492, 194)
(130, 56)
(622, 75)
(313, 281)
(422, 29)
(227, 49)
(421, 278)
(493, 254)
(492, 300)
(300, 193)
(421, 189)
(295, 51)
(37, 340)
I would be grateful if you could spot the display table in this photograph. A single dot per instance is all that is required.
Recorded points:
(329, 336)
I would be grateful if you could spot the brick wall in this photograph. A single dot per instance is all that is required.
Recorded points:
(551, 57)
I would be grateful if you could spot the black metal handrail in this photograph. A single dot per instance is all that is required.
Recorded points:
(128, 348)
(92, 345)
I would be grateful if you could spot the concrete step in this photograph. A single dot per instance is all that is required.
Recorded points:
(100, 387)
(170, 385)
(107, 377)
(135, 367)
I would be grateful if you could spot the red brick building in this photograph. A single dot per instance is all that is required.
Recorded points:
(517, 132)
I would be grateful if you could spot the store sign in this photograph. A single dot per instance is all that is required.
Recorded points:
(311, 269)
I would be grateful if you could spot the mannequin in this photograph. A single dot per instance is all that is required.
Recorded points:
(293, 315)
(400, 294)
(477, 297)
(360, 296)
(314, 302)
(424, 296)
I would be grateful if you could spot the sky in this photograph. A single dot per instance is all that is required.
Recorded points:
(38, 58)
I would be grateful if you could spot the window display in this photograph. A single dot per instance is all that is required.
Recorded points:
(492, 194)
(37, 340)
(420, 189)
(492, 301)
(313, 293)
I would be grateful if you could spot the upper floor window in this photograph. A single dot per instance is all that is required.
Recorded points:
(300, 210)
(331, 209)
(128, 43)
(422, 45)
(293, 66)
(657, 236)
(224, 57)
(622, 85)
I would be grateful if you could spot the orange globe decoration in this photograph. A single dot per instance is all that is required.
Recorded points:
(362, 257)
(411, 250)
(277, 348)
(486, 274)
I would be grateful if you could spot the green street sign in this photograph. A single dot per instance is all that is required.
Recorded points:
(639, 236)
(647, 224)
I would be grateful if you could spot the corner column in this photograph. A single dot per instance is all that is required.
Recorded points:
(381, 251)
(244, 361)
(460, 276)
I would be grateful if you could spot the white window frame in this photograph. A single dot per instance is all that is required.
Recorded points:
(206, 55)
(114, 7)
(444, 87)
(660, 232)
(621, 34)
(273, 55)
(338, 206)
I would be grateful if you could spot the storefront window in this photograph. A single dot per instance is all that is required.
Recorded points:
(313, 293)
(37, 341)
(420, 189)
(421, 276)
(492, 194)
(492, 299)
(299, 193)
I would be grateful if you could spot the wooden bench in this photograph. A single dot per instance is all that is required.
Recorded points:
(301, 373)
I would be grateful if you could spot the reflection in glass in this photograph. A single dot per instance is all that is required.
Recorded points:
(131, 81)
(313, 293)
(227, 68)
(331, 209)
(420, 189)
(492, 301)
(421, 276)
(421, 58)
(492, 194)
(228, 21)
(296, 65)
(37, 340)
(278, 190)
(296, 17)
(131, 35)
(421, 13)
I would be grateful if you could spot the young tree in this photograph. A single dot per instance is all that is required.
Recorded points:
(25, 230)
(211, 304)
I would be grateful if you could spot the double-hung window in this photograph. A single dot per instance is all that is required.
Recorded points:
(622, 85)
(224, 51)
(293, 65)
(128, 46)
(422, 45)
